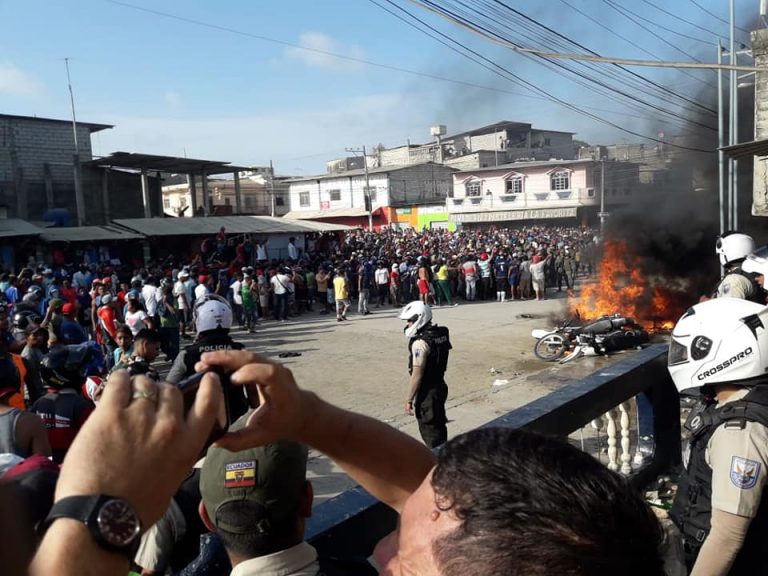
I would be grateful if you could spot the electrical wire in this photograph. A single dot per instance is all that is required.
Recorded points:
(716, 17)
(457, 19)
(630, 42)
(680, 18)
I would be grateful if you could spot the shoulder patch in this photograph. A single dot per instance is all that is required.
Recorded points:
(240, 474)
(744, 472)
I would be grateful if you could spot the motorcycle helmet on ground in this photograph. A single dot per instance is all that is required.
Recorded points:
(212, 312)
(732, 247)
(720, 341)
(418, 314)
(68, 366)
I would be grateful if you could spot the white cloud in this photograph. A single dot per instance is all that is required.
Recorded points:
(172, 99)
(16, 82)
(299, 141)
(317, 49)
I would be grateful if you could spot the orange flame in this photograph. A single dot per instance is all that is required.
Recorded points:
(623, 287)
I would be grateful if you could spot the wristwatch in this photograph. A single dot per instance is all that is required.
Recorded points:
(112, 521)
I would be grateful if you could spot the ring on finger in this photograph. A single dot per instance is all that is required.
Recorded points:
(145, 394)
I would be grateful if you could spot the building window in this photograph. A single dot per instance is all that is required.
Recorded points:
(473, 188)
(371, 193)
(303, 199)
(249, 201)
(335, 195)
(279, 201)
(513, 185)
(590, 192)
(183, 202)
(166, 204)
(560, 180)
(547, 142)
(627, 192)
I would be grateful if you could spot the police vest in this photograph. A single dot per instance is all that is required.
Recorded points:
(215, 341)
(438, 339)
(692, 508)
(758, 292)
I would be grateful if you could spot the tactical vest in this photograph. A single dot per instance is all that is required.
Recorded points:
(692, 508)
(438, 339)
(758, 292)
(215, 341)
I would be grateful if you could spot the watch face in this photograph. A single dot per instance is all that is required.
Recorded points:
(118, 523)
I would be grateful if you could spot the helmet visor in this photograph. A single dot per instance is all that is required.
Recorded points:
(678, 353)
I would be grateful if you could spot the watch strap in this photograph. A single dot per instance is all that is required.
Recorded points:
(85, 509)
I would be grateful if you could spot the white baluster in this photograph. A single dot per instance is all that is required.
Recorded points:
(610, 417)
(626, 466)
(597, 424)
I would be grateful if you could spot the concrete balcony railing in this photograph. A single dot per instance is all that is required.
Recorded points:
(604, 402)
(554, 198)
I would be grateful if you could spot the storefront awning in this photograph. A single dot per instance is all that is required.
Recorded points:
(509, 215)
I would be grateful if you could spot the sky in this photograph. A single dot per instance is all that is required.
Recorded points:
(200, 79)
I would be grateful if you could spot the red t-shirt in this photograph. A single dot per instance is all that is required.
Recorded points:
(107, 316)
(69, 294)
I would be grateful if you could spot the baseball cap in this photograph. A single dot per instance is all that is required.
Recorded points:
(255, 490)
(68, 308)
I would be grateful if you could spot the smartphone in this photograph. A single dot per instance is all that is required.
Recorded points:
(189, 387)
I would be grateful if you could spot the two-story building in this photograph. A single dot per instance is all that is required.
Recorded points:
(342, 198)
(566, 190)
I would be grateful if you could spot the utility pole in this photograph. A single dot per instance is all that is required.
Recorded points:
(602, 197)
(367, 191)
(720, 138)
(272, 187)
(734, 206)
(79, 198)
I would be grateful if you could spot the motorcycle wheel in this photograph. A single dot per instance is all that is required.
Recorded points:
(550, 347)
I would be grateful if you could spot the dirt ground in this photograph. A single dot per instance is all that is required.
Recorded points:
(361, 365)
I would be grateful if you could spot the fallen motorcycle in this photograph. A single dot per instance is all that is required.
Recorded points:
(602, 336)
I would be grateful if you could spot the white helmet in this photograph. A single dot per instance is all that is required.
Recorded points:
(719, 341)
(419, 314)
(211, 312)
(757, 262)
(733, 246)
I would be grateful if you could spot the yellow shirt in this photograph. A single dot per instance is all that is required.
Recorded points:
(442, 273)
(340, 289)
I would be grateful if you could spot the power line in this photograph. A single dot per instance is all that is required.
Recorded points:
(630, 42)
(493, 67)
(670, 30)
(485, 33)
(680, 18)
(715, 16)
(635, 74)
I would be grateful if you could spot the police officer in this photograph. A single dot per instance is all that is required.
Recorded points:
(720, 349)
(428, 348)
(213, 319)
(732, 248)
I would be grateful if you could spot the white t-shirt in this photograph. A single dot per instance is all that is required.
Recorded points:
(293, 252)
(261, 252)
(280, 283)
(135, 321)
(382, 276)
(178, 290)
(200, 291)
(236, 296)
(149, 294)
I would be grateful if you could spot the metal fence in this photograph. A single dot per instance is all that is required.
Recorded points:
(353, 522)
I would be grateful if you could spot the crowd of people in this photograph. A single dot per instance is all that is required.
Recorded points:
(204, 471)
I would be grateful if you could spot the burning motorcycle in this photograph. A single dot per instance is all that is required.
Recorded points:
(602, 336)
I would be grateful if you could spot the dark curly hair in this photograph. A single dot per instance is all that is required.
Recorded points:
(534, 505)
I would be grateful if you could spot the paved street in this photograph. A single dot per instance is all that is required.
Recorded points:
(362, 365)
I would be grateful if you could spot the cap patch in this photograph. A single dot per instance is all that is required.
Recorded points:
(240, 474)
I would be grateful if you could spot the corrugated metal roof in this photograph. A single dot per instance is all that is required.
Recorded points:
(10, 227)
(173, 164)
(747, 149)
(206, 226)
(88, 234)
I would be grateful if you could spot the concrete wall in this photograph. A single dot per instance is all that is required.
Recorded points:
(558, 144)
(760, 170)
(411, 185)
